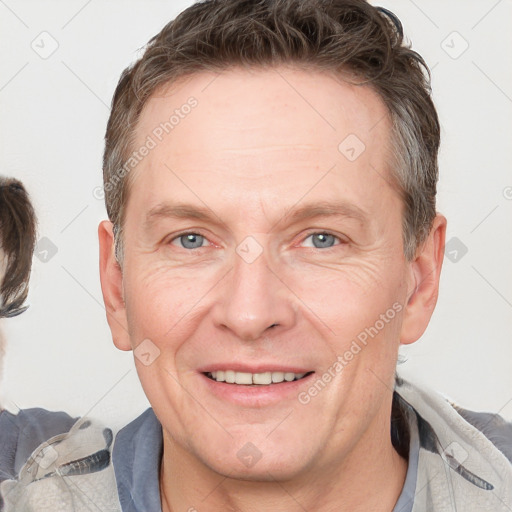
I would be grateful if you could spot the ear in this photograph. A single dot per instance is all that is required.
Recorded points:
(111, 278)
(423, 287)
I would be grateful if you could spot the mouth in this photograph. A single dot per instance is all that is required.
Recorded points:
(255, 379)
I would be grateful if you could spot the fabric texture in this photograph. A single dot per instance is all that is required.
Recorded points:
(459, 468)
(69, 472)
(458, 460)
(21, 433)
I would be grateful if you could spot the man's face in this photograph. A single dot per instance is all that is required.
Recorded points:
(262, 235)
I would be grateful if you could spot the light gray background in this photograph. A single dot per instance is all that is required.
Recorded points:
(53, 115)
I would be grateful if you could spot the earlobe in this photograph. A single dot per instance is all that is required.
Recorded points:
(111, 278)
(425, 271)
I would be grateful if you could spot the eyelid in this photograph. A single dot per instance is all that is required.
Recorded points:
(175, 236)
(342, 239)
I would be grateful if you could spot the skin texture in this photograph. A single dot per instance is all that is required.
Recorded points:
(259, 146)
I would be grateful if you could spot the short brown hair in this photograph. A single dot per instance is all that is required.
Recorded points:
(341, 36)
(17, 242)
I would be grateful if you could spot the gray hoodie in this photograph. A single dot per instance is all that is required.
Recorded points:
(458, 460)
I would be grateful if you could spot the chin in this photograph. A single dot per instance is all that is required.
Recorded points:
(262, 471)
(244, 460)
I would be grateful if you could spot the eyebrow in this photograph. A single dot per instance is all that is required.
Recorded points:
(178, 211)
(327, 209)
(294, 215)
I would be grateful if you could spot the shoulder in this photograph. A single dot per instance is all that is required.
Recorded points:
(438, 413)
(22, 433)
(493, 426)
(470, 451)
(81, 452)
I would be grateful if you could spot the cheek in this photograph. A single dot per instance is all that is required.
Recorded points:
(159, 298)
(162, 305)
(351, 296)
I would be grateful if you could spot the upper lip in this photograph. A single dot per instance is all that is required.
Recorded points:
(259, 368)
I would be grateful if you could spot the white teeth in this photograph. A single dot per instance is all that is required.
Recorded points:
(243, 378)
(277, 376)
(246, 378)
(262, 378)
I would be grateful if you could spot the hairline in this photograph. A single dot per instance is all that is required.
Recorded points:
(393, 161)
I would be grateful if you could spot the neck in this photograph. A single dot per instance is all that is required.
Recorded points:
(370, 477)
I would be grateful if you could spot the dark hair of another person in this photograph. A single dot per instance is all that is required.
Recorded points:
(17, 242)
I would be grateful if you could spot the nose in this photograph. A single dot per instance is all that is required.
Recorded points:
(253, 300)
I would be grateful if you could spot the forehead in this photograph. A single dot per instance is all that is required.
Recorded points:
(256, 133)
(245, 101)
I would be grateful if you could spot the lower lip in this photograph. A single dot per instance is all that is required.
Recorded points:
(256, 395)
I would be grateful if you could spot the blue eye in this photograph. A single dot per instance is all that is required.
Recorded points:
(322, 240)
(190, 240)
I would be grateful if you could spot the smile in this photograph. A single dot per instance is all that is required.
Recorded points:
(248, 379)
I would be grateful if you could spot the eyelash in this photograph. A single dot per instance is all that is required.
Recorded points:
(339, 240)
(185, 233)
(328, 233)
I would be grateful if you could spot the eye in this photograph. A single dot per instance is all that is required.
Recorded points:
(190, 241)
(321, 240)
